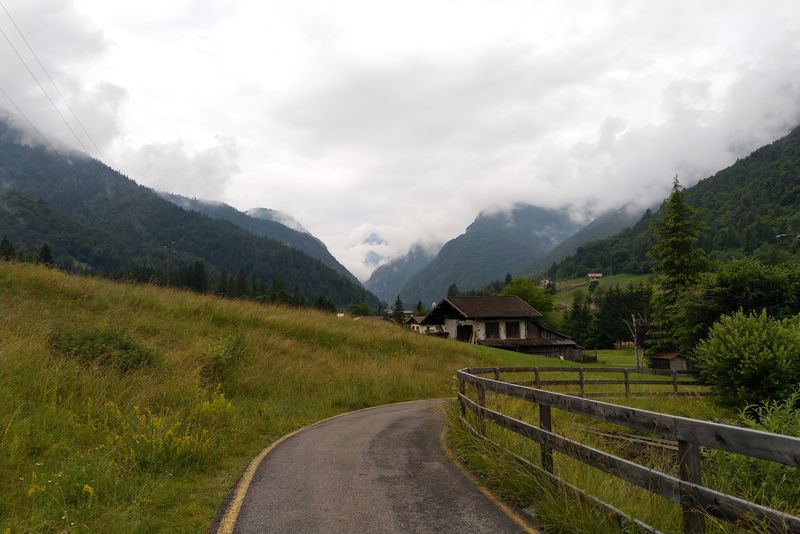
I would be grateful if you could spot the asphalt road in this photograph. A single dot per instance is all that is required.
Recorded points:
(373, 471)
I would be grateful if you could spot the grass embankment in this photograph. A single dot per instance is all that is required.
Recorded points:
(566, 289)
(128, 408)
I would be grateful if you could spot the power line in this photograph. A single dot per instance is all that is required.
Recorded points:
(63, 98)
(63, 119)
(22, 114)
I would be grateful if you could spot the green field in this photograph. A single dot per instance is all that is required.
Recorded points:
(565, 289)
(129, 408)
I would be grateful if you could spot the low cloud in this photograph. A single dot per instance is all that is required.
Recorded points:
(169, 167)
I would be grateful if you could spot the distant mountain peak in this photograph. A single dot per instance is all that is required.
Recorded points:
(277, 216)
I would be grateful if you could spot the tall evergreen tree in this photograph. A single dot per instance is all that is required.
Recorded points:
(241, 284)
(399, 308)
(678, 264)
(6, 249)
(45, 255)
(222, 283)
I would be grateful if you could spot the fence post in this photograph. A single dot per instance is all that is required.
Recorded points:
(674, 382)
(546, 423)
(583, 382)
(689, 458)
(482, 404)
(497, 373)
(462, 388)
(627, 384)
(537, 377)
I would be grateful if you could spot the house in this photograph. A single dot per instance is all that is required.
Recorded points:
(507, 323)
(594, 277)
(668, 360)
(414, 322)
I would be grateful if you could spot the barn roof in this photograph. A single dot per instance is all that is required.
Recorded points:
(481, 308)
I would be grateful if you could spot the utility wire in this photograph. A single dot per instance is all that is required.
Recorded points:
(22, 114)
(64, 120)
(63, 98)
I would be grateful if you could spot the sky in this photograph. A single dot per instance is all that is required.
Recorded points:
(379, 124)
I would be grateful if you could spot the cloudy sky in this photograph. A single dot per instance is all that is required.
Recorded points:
(378, 124)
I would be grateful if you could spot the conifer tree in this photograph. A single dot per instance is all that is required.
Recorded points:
(677, 263)
(45, 256)
(6, 249)
(222, 283)
(399, 308)
(241, 283)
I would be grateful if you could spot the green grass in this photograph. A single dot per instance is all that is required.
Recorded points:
(129, 408)
(565, 289)
(558, 511)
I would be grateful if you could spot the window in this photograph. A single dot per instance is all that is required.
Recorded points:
(512, 329)
(492, 330)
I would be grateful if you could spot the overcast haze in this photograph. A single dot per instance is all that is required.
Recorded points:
(405, 119)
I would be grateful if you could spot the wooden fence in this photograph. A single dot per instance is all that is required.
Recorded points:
(671, 379)
(687, 490)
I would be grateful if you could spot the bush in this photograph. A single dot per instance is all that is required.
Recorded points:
(108, 348)
(751, 358)
(220, 356)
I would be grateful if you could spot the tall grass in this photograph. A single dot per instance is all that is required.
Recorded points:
(129, 408)
(560, 511)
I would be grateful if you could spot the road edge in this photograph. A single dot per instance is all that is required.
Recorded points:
(515, 516)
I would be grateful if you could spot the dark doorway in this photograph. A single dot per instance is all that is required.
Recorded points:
(464, 332)
(492, 330)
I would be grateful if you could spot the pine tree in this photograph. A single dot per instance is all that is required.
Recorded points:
(222, 283)
(45, 255)
(6, 249)
(241, 284)
(678, 264)
(420, 309)
(399, 308)
(452, 291)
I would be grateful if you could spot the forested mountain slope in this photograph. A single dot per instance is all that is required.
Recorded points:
(263, 227)
(741, 210)
(99, 221)
(387, 280)
(493, 245)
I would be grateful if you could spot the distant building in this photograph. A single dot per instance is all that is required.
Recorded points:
(594, 277)
(507, 323)
(669, 360)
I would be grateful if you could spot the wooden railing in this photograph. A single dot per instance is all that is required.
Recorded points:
(687, 490)
(536, 376)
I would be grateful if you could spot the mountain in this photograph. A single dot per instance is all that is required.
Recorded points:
(609, 223)
(493, 245)
(265, 223)
(387, 280)
(740, 211)
(98, 221)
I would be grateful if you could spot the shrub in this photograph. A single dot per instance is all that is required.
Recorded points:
(110, 348)
(751, 358)
(219, 356)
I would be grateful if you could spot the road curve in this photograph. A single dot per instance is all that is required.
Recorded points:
(380, 470)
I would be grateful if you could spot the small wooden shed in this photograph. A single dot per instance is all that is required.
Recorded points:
(673, 361)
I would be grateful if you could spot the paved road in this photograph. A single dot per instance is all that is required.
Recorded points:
(373, 471)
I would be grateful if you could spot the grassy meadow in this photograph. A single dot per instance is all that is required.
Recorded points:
(130, 408)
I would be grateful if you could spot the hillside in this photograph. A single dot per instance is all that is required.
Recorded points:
(493, 245)
(98, 221)
(131, 408)
(265, 223)
(741, 210)
(607, 224)
(387, 280)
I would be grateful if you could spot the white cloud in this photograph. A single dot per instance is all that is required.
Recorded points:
(407, 119)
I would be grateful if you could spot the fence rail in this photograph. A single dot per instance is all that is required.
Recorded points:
(687, 490)
(674, 378)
